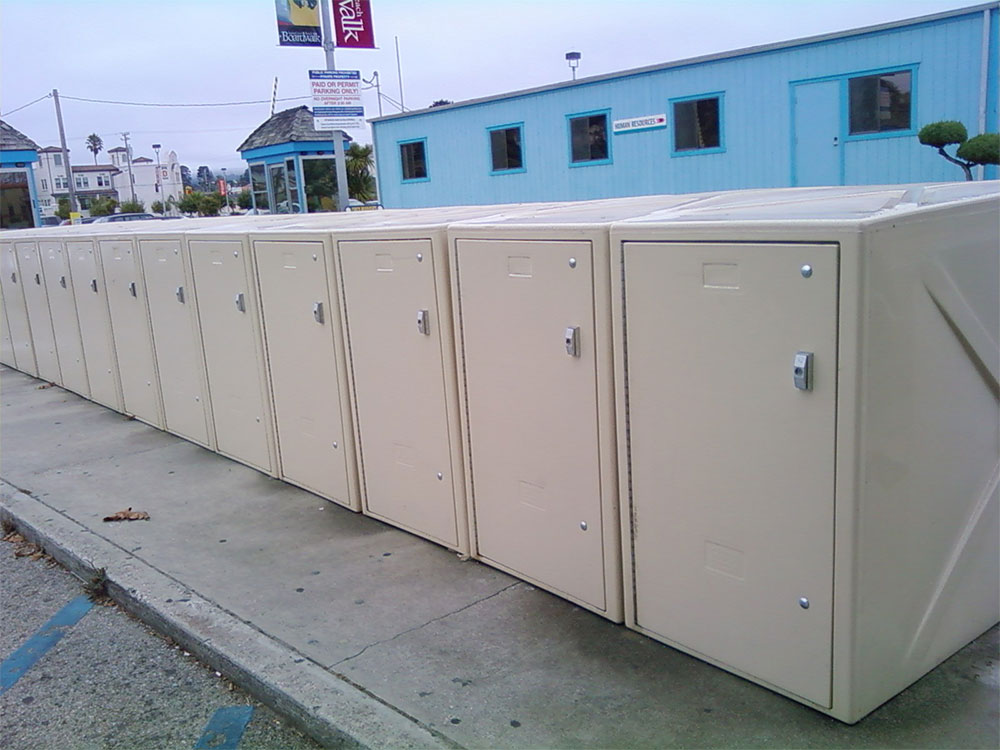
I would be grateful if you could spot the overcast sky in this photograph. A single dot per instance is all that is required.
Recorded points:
(212, 51)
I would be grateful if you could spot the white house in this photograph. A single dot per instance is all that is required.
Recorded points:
(90, 181)
(147, 185)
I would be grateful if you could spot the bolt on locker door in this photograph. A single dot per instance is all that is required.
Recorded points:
(527, 316)
(176, 340)
(130, 327)
(732, 365)
(394, 332)
(95, 323)
(65, 325)
(36, 300)
(11, 281)
(227, 312)
(298, 326)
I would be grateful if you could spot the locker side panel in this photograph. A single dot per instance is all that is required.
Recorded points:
(36, 300)
(176, 340)
(22, 354)
(95, 323)
(394, 324)
(237, 381)
(130, 326)
(732, 373)
(303, 361)
(533, 412)
(60, 290)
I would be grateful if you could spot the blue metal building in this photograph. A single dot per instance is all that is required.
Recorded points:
(842, 108)
(18, 196)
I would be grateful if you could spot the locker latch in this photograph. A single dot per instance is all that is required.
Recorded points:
(572, 336)
(13, 278)
(802, 367)
(62, 281)
(38, 279)
(131, 289)
(93, 285)
(179, 293)
(424, 322)
(241, 304)
(318, 312)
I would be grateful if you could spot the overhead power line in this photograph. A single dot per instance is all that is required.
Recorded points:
(25, 106)
(161, 104)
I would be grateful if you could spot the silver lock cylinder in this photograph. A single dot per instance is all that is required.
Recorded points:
(318, 312)
(572, 341)
(424, 322)
(802, 371)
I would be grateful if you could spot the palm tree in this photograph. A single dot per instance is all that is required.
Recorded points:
(359, 161)
(94, 144)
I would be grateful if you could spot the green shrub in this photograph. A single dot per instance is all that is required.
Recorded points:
(132, 207)
(943, 133)
(981, 149)
(102, 206)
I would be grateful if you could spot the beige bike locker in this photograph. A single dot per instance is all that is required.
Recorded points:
(397, 313)
(36, 300)
(229, 318)
(133, 340)
(300, 314)
(21, 354)
(95, 322)
(808, 433)
(173, 313)
(533, 326)
(61, 293)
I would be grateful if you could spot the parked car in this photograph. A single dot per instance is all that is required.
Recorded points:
(50, 221)
(122, 217)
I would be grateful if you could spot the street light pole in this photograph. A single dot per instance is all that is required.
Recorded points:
(159, 182)
(128, 159)
(226, 183)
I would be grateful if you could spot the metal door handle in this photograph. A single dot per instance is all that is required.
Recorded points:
(62, 281)
(93, 285)
(38, 279)
(13, 278)
(241, 304)
(318, 312)
(131, 289)
(572, 340)
(424, 322)
(802, 371)
(180, 294)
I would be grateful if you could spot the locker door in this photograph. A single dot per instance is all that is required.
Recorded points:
(176, 340)
(95, 323)
(22, 351)
(36, 300)
(298, 325)
(732, 465)
(532, 411)
(60, 291)
(403, 423)
(227, 312)
(130, 325)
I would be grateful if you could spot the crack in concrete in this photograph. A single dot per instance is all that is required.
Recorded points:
(424, 625)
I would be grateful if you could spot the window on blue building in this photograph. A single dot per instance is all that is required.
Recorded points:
(414, 158)
(880, 103)
(588, 138)
(696, 124)
(505, 149)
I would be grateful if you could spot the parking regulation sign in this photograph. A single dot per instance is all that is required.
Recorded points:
(337, 99)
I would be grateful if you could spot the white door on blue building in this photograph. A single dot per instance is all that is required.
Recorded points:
(816, 146)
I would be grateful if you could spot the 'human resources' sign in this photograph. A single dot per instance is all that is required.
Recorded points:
(646, 122)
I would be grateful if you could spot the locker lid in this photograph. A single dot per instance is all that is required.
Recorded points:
(847, 204)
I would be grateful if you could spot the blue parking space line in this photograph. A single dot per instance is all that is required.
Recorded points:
(225, 729)
(35, 647)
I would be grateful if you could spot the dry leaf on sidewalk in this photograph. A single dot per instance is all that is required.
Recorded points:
(128, 515)
(46, 385)
(26, 549)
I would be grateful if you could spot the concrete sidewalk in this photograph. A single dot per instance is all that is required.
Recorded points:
(367, 635)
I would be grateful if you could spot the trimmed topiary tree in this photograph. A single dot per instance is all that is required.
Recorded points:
(971, 152)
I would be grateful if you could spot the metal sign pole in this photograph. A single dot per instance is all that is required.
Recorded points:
(338, 136)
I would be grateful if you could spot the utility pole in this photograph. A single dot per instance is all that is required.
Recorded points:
(399, 75)
(73, 205)
(338, 135)
(128, 158)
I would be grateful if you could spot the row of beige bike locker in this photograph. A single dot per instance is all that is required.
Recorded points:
(793, 393)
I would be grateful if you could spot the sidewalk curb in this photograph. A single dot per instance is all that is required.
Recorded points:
(328, 708)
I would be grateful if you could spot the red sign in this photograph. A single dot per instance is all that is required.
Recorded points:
(352, 23)
(222, 187)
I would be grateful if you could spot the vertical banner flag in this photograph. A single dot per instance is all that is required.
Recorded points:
(352, 22)
(298, 23)
(337, 99)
